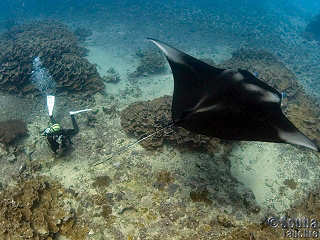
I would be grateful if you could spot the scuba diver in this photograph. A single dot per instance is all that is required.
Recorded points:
(59, 139)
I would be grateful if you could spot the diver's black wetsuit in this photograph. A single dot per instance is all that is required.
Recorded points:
(61, 139)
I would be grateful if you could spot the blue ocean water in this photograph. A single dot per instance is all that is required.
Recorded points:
(171, 192)
(273, 25)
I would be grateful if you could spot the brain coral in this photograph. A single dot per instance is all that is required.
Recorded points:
(59, 52)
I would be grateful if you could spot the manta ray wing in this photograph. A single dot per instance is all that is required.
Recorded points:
(190, 79)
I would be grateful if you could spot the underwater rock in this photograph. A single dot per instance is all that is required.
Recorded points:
(112, 76)
(59, 52)
(11, 130)
(151, 61)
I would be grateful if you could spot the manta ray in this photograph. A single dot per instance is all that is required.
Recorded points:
(224, 103)
(227, 104)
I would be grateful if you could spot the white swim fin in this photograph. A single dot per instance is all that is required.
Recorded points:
(50, 104)
(80, 111)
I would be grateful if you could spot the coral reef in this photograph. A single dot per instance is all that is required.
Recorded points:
(142, 118)
(112, 76)
(11, 130)
(151, 61)
(38, 209)
(59, 52)
(82, 33)
(312, 31)
(267, 67)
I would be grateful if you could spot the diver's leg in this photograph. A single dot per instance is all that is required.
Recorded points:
(75, 124)
(75, 129)
(52, 144)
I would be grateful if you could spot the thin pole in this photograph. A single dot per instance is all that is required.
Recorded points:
(127, 147)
